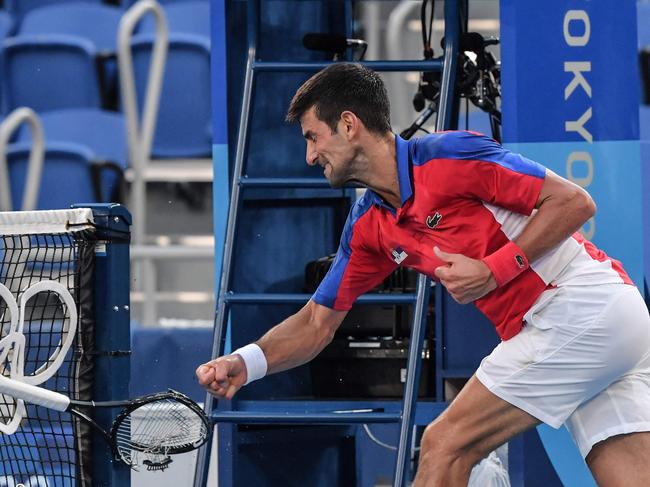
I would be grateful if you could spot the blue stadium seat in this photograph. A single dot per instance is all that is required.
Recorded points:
(129, 3)
(102, 131)
(183, 128)
(47, 72)
(93, 21)
(67, 175)
(6, 24)
(18, 8)
(6, 28)
(189, 17)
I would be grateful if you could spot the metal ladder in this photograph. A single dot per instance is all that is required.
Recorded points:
(227, 298)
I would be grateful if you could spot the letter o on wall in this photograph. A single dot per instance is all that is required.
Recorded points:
(574, 17)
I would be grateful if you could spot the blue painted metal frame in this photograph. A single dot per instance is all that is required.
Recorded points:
(313, 66)
(258, 298)
(112, 331)
(225, 297)
(424, 413)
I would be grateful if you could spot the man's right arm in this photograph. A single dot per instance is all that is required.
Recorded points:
(295, 341)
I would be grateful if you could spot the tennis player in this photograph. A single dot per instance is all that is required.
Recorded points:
(497, 230)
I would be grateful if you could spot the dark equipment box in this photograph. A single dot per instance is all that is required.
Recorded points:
(368, 368)
(370, 320)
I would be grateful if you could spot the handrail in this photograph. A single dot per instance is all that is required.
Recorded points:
(36, 156)
(144, 251)
(140, 134)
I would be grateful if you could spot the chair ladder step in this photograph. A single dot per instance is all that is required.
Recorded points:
(246, 182)
(313, 66)
(248, 417)
(264, 298)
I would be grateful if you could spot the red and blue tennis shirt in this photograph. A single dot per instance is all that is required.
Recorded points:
(466, 194)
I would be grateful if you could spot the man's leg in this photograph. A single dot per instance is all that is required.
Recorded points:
(473, 425)
(622, 460)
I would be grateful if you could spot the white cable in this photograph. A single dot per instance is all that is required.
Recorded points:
(381, 443)
(376, 440)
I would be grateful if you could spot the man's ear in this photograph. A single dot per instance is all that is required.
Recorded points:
(350, 124)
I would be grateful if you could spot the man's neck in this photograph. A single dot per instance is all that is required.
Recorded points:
(380, 168)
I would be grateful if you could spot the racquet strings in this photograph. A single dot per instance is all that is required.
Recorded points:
(161, 427)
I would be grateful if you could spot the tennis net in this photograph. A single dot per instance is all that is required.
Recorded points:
(46, 339)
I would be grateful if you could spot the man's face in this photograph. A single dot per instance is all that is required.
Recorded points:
(332, 151)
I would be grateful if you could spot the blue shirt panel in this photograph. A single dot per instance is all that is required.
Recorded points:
(327, 291)
(463, 145)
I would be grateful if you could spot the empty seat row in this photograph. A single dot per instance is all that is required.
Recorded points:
(85, 156)
(64, 57)
(19, 8)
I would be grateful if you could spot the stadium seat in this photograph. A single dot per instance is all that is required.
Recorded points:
(188, 16)
(6, 28)
(67, 175)
(183, 128)
(129, 3)
(96, 22)
(6, 24)
(93, 22)
(102, 131)
(18, 8)
(47, 72)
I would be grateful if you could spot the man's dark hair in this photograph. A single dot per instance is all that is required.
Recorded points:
(341, 87)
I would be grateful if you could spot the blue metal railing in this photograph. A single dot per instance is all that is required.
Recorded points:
(278, 298)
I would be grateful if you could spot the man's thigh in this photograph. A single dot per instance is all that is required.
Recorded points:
(478, 421)
(621, 461)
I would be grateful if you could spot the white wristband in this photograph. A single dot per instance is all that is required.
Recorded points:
(255, 361)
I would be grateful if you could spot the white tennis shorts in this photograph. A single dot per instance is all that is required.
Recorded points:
(582, 358)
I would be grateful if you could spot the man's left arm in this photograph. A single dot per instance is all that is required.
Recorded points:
(562, 209)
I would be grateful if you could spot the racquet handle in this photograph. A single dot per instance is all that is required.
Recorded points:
(33, 394)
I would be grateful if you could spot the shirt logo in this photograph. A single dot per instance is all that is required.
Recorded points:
(520, 261)
(433, 220)
(398, 255)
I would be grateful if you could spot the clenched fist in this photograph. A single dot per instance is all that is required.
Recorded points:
(223, 376)
(466, 279)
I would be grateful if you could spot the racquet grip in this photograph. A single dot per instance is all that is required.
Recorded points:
(33, 394)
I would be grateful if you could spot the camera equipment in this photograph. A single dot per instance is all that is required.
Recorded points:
(335, 44)
(478, 79)
(429, 84)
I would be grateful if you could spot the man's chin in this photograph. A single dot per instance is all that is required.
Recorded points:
(335, 183)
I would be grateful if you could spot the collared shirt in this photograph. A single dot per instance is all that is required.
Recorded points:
(466, 194)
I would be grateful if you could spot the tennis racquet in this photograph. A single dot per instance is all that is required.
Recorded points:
(146, 431)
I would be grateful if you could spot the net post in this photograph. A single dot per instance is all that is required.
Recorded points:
(112, 329)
